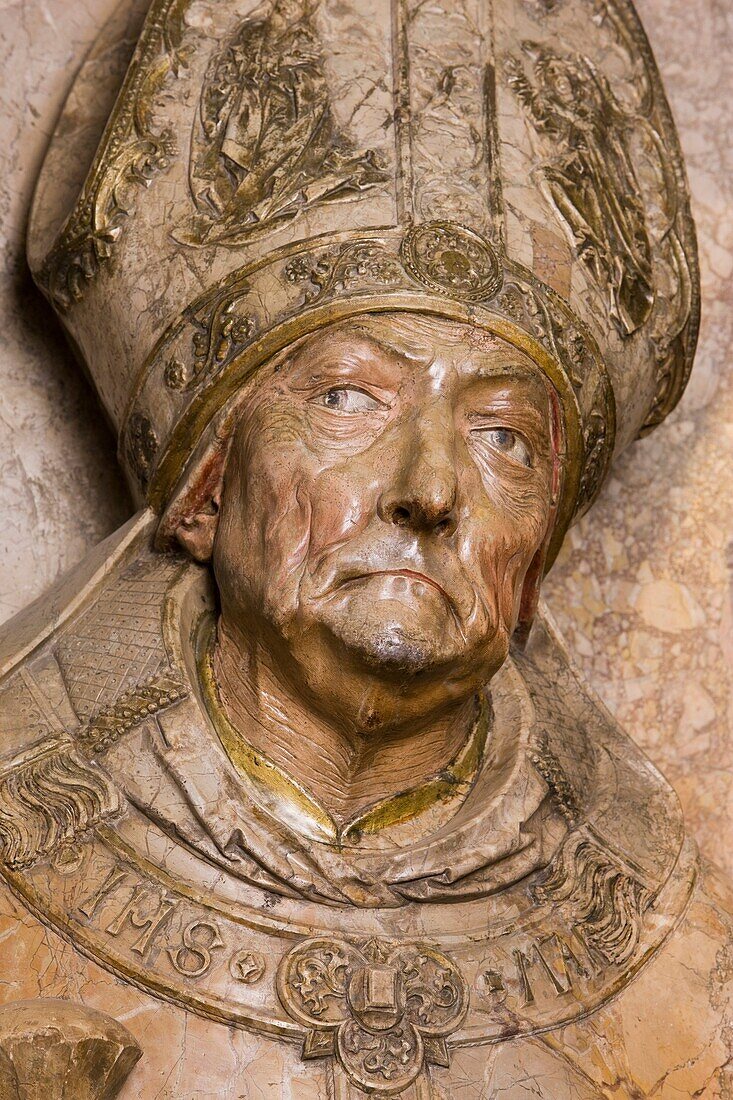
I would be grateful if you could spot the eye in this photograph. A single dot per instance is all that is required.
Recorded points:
(347, 399)
(508, 443)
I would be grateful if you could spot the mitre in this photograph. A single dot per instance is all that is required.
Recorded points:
(265, 171)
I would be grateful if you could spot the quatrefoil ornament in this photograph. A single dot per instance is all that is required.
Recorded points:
(382, 1010)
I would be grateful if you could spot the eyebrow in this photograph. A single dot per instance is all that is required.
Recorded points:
(511, 369)
(509, 372)
(319, 360)
(383, 343)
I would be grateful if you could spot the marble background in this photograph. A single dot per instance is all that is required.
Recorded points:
(643, 589)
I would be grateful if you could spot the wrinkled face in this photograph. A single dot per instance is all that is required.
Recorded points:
(386, 491)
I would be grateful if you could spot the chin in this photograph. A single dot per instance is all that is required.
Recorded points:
(393, 651)
(397, 648)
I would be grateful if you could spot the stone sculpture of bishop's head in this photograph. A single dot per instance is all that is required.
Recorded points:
(372, 294)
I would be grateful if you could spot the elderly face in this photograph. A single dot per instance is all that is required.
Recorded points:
(386, 491)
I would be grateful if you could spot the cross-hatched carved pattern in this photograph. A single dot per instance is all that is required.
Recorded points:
(118, 644)
(22, 724)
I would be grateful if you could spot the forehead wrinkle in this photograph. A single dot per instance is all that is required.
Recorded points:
(501, 361)
(402, 342)
(352, 345)
(473, 353)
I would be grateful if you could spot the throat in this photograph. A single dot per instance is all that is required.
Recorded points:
(344, 770)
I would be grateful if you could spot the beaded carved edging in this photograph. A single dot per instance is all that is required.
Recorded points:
(135, 706)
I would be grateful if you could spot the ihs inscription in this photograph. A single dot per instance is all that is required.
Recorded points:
(121, 904)
(237, 963)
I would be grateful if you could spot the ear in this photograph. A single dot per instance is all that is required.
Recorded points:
(196, 532)
(192, 517)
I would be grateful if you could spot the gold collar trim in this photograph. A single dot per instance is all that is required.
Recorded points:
(272, 782)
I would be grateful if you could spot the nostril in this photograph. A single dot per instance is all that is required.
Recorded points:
(444, 526)
(400, 516)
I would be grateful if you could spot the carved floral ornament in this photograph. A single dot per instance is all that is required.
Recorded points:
(383, 1011)
(438, 266)
(453, 260)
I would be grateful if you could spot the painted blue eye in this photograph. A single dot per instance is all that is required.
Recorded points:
(508, 443)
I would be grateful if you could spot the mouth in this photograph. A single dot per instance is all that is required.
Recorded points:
(410, 574)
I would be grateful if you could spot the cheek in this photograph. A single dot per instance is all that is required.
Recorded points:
(285, 505)
(510, 528)
(264, 528)
(347, 479)
(278, 514)
(342, 505)
(301, 505)
(517, 504)
(527, 511)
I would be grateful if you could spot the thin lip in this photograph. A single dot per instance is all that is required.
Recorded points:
(413, 573)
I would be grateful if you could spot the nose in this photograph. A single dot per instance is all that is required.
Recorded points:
(424, 494)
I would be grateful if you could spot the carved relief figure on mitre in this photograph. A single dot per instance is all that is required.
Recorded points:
(590, 176)
(297, 779)
(266, 146)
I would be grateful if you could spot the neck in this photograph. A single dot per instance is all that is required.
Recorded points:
(345, 769)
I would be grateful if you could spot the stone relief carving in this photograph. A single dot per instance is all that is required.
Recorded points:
(590, 177)
(134, 150)
(297, 762)
(609, 899)
(449, 258)
(605, 156)
(382, 1011)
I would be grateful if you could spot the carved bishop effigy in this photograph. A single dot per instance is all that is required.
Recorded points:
(300, 793)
